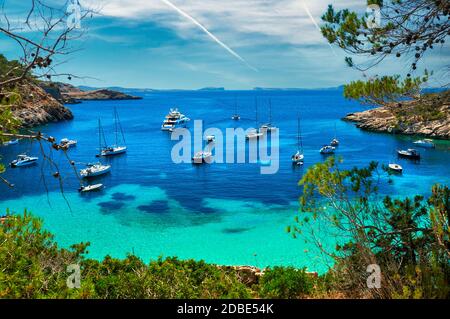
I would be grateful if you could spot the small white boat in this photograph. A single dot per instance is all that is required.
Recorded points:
(211, 138)
(267, 128)
(334, 142)
(24, 160)
(11, 142)
(395, 168)
(90, 188)
(236, 117)
(327, 149)
(298, 158)
(253, 135)
(201, 157)
(426, 143)
(96, 169)
(68, 143)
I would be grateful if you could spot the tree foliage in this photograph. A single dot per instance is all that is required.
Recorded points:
(408, 238)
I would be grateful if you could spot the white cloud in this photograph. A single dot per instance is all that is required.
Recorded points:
(282, 20)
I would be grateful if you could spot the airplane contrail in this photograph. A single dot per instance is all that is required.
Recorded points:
(212, 36)
(317, 26)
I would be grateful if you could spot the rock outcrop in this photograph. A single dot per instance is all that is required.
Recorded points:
(37, 107)
(69, 94)
(428, 117)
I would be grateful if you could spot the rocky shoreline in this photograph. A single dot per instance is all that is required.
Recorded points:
(38, 107)
(410, 118)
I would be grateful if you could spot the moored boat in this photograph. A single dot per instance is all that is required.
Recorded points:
(11, 142)
(297, 158)
(65, 142)
(96, 169)
(426, 143)
(90, 188)
(396, 168)
(409, 153)
(201, 157)
(24, 160)
(175, 119)
(116, 149)
(327, 149)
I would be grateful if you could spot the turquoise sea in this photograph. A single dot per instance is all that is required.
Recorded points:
(222, 213)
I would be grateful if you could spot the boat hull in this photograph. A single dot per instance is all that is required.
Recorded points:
(23, 164)
(87, 174)
(115, 151)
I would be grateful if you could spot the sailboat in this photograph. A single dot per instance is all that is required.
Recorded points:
(236, 116)
(268, 126)
(255, 134)
(115, 149)
(335, 141)
(297, 158)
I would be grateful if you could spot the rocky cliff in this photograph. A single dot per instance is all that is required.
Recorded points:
(429, 116)
(37, 107)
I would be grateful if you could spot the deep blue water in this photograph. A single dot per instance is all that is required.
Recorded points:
(215, 212)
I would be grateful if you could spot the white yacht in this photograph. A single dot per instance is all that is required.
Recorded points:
(90, 188)
(334, 141)
(396, 168)
(68, 143)
(211, 138)
(174, 120)
(297, 158)
(426, 143)
(201, 157)
(255, 133)
(96, 169)
(327, 149)
(116, 149)
(11, 142)
(24, 160)
(268, 127)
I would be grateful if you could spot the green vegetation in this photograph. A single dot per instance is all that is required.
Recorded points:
(33, 266)
(405, 30)
(408, 238)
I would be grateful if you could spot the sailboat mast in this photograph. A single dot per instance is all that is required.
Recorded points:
(270, 111)
(256, 110)
(115, 126)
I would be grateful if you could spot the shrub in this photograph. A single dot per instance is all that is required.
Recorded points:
(285, 283)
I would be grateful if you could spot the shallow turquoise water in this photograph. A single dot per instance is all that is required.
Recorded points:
(224, 213)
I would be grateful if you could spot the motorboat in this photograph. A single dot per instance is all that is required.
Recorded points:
(65, 142)
(24, 160)
(11, 142)
(96, 169)
(201, 157)
(327, 149)
(334, 142)
(396, 168)
(211, 138)
(236, 116)
(90, 188)
(426, 143)
(409, 153)
(174, 120)
(254, 134)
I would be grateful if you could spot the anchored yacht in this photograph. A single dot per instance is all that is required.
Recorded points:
(174, 120)
(96, 169)
(24, 160)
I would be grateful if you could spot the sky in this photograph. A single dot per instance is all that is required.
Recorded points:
(191, 44)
